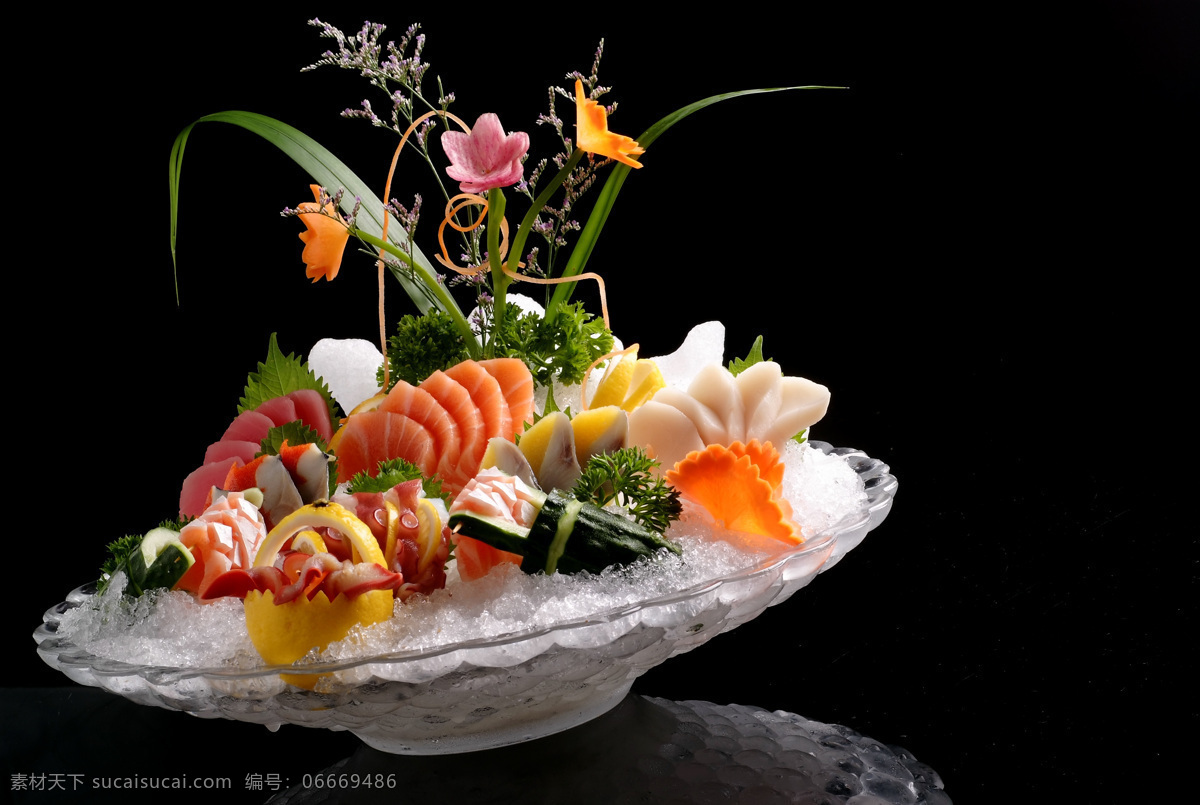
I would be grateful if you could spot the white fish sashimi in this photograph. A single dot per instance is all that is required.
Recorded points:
(707, 423)
(761, 390)
(664, 432)
(714, 388)
(803, 405)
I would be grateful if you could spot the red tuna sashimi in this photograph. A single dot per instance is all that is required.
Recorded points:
(516, 383)
(279, 410)
(228, 448)
(249, 426)
(374, 436)
(312, 410)
(194, 496)
(486, 394)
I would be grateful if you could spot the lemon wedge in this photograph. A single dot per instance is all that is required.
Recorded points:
(614, 386)
(430, 532)
(309, 542)
(645, 381)
(285, 633)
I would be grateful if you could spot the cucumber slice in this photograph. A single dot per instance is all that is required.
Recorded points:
(566, 537)
(160, 561)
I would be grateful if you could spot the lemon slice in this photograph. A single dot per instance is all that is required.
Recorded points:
(429, 535)
(393, 532)
(615, 385)
(645, 381)
(315, 515)
(309, 542)
(285, 633)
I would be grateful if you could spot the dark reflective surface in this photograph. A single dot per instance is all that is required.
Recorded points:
(77, 743)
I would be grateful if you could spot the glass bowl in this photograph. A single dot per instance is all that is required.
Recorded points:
(484, 693)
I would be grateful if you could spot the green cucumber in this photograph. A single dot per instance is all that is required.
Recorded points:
(160, 561)
(567, 536)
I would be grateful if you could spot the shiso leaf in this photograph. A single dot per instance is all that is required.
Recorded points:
(294, 433)
(280, 375)
(739, 365)
(395, 471)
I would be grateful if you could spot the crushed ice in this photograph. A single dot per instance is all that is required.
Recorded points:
(175, 630)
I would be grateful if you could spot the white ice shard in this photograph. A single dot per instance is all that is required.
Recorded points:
(703, 346)
(349, 366)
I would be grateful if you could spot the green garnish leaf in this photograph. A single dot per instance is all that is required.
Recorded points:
(119, 552)
(295, 433)
(739, 365)
(421, 346)
(396, 471)
(626, 476)
(280, 375)
(801, 437)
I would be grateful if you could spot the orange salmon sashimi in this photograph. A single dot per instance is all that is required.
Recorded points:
(486, 394)
(374, 436)
(458, 410)
(456, 470)
(421, 406)
(516, 384)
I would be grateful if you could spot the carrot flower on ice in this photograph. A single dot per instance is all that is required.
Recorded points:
(325, 237)
(591, 130)
(487, 158)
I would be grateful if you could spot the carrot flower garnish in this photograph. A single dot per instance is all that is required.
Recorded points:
(591, 130)
(739, 486)
(325, 238)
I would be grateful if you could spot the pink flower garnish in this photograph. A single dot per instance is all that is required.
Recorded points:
(487, 157)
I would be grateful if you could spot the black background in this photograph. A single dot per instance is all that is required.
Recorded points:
(980, 246)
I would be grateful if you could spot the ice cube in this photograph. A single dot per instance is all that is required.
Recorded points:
(349, 366)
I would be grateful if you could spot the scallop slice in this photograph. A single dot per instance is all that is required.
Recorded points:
(761, 389)
(804, 403)
(714, 387)
(664, 432)
(709, 424)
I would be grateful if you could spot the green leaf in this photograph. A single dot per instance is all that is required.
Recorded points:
(331, 173)
(396, 471)
(612, 186)
(739, 365)
(280, 375)
(295, 433)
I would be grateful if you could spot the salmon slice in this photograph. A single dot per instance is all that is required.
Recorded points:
(374, 436)
(516, 384)
(476, 558)
(420, 406)
(456, 470)
(486, 394)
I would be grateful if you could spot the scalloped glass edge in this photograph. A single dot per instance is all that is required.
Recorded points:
(880, 486)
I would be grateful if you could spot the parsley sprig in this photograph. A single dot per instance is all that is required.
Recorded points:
(626, 476)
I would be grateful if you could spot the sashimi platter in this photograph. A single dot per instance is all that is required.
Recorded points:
(483, 526)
